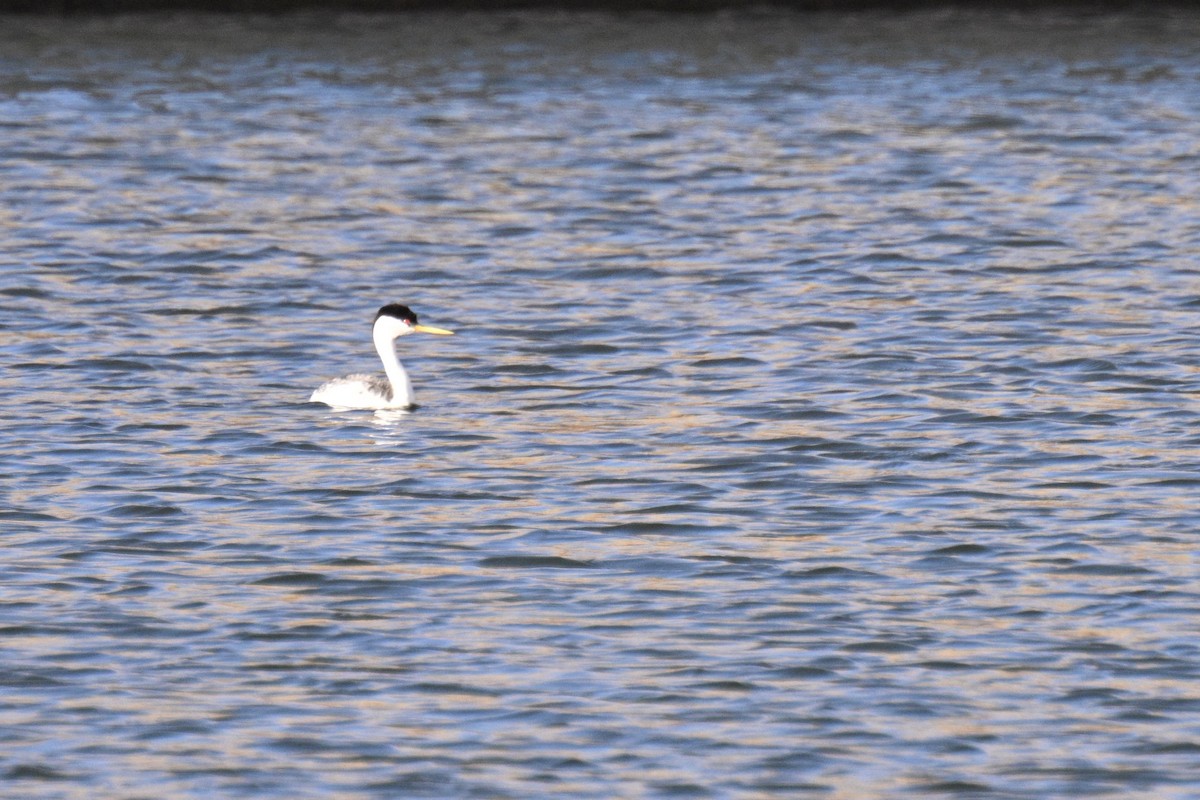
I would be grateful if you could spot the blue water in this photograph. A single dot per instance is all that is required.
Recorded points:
(822, 419)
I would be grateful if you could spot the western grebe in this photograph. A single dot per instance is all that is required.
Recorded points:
(370, 391)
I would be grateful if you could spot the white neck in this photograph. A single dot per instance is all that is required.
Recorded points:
(385, 345)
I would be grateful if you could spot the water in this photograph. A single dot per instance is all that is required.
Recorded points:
(822, 420)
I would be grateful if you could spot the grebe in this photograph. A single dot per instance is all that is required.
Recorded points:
(371, 391)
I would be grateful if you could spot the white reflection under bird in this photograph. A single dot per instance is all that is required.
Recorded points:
(371, 391)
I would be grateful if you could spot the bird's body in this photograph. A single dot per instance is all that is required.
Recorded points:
(370, 391)
(359, 391)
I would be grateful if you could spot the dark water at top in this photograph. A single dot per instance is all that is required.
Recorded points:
(823, 418)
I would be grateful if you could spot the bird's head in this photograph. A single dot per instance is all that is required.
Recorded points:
(394, 320)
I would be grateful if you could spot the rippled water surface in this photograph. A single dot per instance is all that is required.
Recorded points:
(822, 419)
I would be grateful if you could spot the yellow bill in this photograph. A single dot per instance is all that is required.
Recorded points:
(431, 329)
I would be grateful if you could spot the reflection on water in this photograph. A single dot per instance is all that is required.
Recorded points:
(821, 422)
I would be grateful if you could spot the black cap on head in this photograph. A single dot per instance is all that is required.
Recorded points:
(398, 311)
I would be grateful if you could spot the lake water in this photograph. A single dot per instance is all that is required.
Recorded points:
(823, 419)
